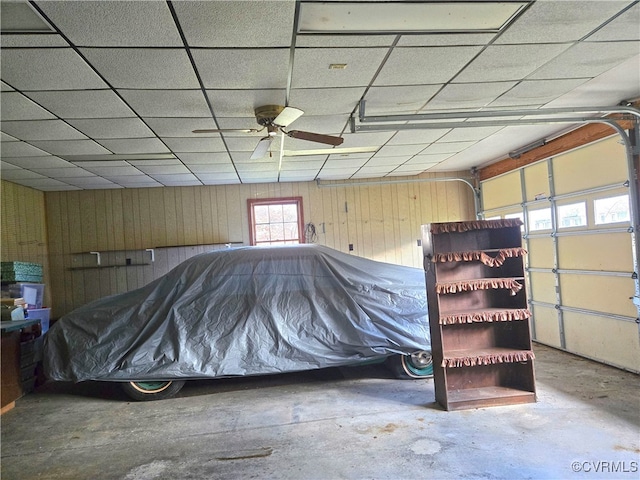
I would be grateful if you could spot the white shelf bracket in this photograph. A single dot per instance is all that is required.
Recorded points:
(97, 254)
(153, 254)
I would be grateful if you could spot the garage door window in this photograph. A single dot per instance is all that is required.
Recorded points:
(540, 219)
(573, 215)
(611, 209)
(276, 221)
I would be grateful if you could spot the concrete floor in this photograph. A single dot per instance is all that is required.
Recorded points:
(332, 424)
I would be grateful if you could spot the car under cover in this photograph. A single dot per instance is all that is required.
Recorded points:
(245, 311)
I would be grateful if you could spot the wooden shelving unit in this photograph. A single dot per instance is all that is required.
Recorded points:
(478, 315)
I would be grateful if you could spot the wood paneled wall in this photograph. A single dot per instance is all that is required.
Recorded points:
(381, 221)
(24, 229)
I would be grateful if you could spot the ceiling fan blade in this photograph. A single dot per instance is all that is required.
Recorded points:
(287, 116)
(223, 130)
(262, 148)
(316, 137)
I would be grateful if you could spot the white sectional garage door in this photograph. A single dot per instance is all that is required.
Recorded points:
(581, 262)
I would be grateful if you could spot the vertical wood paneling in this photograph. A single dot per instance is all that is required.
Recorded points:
(382, 221)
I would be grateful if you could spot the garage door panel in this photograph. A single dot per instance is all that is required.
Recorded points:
(541, 252)
(605, 161)
(545, 321)
(543, 287)
(606, 252)
(614, 341)
(598, 293)
(536, 181)
(502, 191)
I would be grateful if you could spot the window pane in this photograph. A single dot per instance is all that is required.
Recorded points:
(539, 219)
(261, 213)
(573, 215)
(262, 233)
(275, 213)
(277, 231)
(291, 231)
(493, 218)
(290, 212)
(519, 215)
(611, 210)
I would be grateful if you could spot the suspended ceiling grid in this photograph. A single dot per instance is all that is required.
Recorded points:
(110, 95)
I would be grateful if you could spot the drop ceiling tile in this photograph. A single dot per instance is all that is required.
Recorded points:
(258, 167)
(20, 174)
(41, 130)
(185, 179)
(218, 178)
(47, 69)
(366, 139)
(182, 127)
(122, 23)
(537, 92)
(291, 159)
(469, 134)
(70, 147)
(45, 184)
(298, 176)
(601, 57)
(332, 41)
(203, 158)
(331, 175)
(33, 163)
(414, 168)
(6, 88)
(16, 106)
(134, 145)
(468, 95)
(242, 103)
(135, 181)
(414, 65)
(624, 27)
(413, 137)
(167, 103)
(143, 68)
(8, 166)
(399, 150)
(290, 164)
(350, 156)
(64, 172)
(398, 99)
(100, 128)
(35, 40)
(213, 168)
(311, 67)
(244, 144)
(427, 159)
(259, 178)
(7, 138)
(387, 161)
(348, 163)
(227, 23)
(91, 182)
(20, 149)
(96, 163)
(113, 171)
(326, 101)
(163, 169)
(250, 69)
(204, 144)
(154, 163)
(440, 40)
(509, 62)
(83, 104)
(566, 21)
(453, 147)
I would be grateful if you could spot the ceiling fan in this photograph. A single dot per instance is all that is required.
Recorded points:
(275, 118)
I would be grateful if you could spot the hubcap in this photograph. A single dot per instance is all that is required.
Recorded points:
(150, 387)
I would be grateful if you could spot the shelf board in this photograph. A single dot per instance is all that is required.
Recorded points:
(483, 315)
(485, 356)
(95, 267)
(487, 396)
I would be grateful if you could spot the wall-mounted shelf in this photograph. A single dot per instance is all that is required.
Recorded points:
(95, 267)
(478, 314)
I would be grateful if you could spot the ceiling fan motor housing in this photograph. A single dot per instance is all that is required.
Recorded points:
(266, 114)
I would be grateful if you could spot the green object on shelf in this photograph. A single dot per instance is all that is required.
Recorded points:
(20, 272)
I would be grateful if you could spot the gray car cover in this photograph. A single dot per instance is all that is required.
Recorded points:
(245, 311)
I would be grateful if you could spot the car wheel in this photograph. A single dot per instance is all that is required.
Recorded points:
(417, 365)
(152, 390)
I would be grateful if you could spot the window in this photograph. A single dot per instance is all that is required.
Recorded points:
(275, 221)
(519, 216)
(573, 215)
(611, 210)
(539, 219)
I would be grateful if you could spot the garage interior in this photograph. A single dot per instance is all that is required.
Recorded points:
(449, 111)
